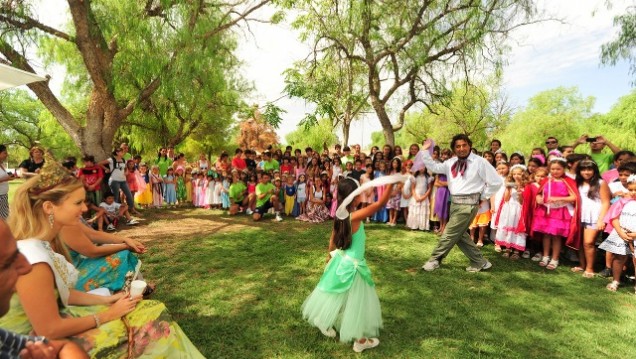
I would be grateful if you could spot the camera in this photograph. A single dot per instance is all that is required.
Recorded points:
(591, 139)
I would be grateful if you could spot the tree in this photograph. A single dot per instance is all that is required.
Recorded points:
(335, 84)
(560, 112)
(25, 123)
(475, 110)
(410, 48)
(120, 53)
(315, 136)
(624, 45)
(618, 125)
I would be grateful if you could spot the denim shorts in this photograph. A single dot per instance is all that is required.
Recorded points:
(586, 225)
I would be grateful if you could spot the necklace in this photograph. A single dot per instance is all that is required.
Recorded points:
(60, 268)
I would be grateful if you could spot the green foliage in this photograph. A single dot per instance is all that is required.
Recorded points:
(408, 49)
(161, 69)
(335, 85)
(313, 136)
(618, 125)
(623, 46)
(477, 111)
(560, 112)
(25, 122)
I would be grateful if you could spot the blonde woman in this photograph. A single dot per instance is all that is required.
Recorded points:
(100, 324)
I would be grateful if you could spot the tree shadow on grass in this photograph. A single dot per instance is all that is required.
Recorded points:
(238, 293)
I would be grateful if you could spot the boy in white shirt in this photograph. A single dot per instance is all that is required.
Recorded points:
(114, 211)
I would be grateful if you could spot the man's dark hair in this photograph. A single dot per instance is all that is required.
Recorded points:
(461, 137)
(237, 151)
(552, 138)
(89, 158)
(308, 149)
(346, 148)
(495, 140)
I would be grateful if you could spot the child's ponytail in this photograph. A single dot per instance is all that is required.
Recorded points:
(342, 232)
(342, 227)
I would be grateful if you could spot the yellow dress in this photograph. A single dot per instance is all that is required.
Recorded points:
(188, 186)
(152, 331)
(144, 197)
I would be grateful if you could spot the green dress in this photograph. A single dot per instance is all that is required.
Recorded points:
(154, 334)
(345, 296)
(182, 193)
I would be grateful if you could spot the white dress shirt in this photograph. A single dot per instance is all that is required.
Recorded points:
(479, 177)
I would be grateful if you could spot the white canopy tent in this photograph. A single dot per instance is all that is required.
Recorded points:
(12, 77)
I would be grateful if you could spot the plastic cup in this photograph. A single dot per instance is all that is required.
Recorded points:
(137, 288)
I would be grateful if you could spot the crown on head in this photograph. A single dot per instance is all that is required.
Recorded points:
(51, 174)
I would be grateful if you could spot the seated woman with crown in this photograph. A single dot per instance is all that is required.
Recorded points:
(47, 302)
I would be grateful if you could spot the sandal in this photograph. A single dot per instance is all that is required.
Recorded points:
(577, 269)
(480, 244)
(150, 288)
(552, 265)
(544, 261)
(588, 274)
(497, 248)
(515, 256)
(613, 287)
(506, 254)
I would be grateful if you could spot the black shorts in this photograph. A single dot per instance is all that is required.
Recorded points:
(264, 208)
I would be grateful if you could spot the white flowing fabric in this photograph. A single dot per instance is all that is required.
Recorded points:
(343, 213)
(12, 77)
(418, 162)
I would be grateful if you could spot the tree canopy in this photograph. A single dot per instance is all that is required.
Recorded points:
(409, 49)
(128, 60)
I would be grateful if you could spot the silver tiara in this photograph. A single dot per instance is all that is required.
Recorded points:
(524, 168)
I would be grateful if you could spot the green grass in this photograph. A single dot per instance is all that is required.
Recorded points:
(237, 293)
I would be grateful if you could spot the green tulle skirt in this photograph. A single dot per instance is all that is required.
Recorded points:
(354, 314)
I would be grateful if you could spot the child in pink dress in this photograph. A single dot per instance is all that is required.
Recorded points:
(557, 213)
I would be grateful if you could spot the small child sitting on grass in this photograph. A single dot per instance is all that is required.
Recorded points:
(114, 211)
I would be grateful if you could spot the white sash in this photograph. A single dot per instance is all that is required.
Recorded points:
(38, 251)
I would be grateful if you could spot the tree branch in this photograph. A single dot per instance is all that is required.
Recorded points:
(229, 24)
(29, 23)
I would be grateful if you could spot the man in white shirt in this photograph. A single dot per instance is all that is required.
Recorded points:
(471, 181)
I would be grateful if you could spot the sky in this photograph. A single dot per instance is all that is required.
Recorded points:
(542, 56)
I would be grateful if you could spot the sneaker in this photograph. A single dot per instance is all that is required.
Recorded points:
(249, 212)
(111, 228)
(279, 218)
(331, 333)
(132, 222)
(605, 273)
(537, 257)
(370, 343)
(431, 265)
(472, 269)
(525, 255)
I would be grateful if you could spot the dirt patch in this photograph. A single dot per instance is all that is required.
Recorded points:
(180, 223)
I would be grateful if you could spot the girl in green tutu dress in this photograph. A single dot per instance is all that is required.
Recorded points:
(345, 301)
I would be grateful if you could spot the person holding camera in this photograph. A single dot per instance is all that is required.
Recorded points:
(5, 177)
(597, 144)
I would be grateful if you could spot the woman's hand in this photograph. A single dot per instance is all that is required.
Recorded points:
(115, 297)
(540, 200)
(135, 245)
(121, 307)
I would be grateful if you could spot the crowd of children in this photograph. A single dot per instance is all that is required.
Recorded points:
(553, 200)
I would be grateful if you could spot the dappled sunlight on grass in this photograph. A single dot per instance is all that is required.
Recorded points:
(236, 288)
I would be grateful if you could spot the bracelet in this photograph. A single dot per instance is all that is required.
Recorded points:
(98, 323)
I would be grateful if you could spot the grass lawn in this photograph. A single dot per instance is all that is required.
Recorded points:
(236, 289)
(237, 292)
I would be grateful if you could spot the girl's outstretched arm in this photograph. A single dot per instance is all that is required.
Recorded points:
(332, 245)
(369, 210)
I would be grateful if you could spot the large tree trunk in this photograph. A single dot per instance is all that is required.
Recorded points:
(385, 121)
